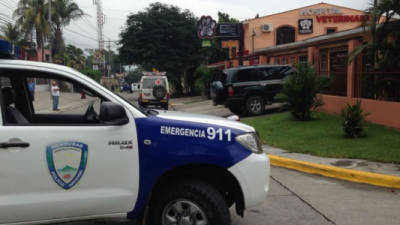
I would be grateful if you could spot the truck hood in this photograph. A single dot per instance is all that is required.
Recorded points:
(200, 118)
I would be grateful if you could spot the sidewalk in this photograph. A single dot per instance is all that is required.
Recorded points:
(68, 102)
(356, 170)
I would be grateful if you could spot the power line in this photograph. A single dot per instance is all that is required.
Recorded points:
(79, 44)
(83, 30)
(82, 35)
(6, 5)
(11, 2)
(86, 21)
(6, 20)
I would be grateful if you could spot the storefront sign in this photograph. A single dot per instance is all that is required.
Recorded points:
(342, 18)
(205, 43)
(229, 44)
(206, 27)
(320, 11)
(228, 30)
(305, 26)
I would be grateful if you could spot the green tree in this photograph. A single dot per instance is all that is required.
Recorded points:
(94, 74)
(225, 18)
(163, 37)
(32, 16)
(11, 33)
(383, 44)
(77, 59)
(134, 76)
(203, 74)
(63, 12)
(300, 91)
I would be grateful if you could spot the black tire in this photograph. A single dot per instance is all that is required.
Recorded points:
(159, 92)
(211, 203)
(255, 106)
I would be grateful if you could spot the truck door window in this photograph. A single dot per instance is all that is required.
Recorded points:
(273, 73)
(55, 96)
(247, 75)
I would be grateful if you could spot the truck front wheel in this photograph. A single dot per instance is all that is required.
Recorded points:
(189, 202)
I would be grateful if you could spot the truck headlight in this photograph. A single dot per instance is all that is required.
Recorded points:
(250, 141)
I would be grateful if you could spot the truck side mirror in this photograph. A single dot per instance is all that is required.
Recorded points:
(113, 114)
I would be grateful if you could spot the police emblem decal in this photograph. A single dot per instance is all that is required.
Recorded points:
(67, 162)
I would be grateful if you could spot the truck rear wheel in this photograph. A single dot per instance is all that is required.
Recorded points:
(255, 106)
(189, 202)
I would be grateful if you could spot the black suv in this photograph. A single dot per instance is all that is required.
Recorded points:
(245, 90)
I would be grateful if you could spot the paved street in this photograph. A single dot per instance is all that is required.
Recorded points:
(303, 199)
(298, 198)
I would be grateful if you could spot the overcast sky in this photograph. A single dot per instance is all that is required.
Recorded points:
(83, 33)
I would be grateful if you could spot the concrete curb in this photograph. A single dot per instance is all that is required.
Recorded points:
(336, 172)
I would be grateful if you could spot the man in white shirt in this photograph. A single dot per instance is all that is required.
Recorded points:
(55, 93)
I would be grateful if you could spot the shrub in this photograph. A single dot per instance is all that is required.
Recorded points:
(353, 119)
(300, 91)
(203, 74)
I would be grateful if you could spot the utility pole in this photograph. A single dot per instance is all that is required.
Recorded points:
(50, 35)
(100, 23)
(109, 58)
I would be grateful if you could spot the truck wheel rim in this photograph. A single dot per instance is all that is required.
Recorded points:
(255, 106)
(183, 212)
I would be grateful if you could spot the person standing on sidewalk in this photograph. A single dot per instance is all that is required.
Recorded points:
(31, 86)
(55, 94)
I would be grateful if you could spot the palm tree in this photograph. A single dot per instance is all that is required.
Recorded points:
(64, 11)
(384, 28)
(32, 16)
(11, 33)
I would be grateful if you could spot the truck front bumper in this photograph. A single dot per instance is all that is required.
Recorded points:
(252, 173)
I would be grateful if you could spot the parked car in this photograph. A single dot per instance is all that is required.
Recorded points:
(154, 90)
(116, 160)
(246, 90)
(135, 86)
(126, 87)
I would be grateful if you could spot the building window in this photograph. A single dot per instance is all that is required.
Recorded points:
(285, 35)
(277, 60)
(303, 59)
(323, 63)
(331, 30)
(293, 60)
(284, 60)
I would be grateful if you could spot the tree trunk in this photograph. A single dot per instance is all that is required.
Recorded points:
(39, 42)
(59, 42)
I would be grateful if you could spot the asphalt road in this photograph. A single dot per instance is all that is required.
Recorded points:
(302, 199)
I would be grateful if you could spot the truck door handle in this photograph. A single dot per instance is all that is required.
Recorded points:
(14, 143)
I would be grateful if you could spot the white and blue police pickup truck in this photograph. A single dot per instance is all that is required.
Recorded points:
(110, 159)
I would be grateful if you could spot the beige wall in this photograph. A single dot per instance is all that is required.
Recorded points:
(264, 40)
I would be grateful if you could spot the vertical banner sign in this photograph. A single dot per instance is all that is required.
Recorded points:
(305, 26)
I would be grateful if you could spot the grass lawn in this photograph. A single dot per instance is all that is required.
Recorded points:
(324, 136)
